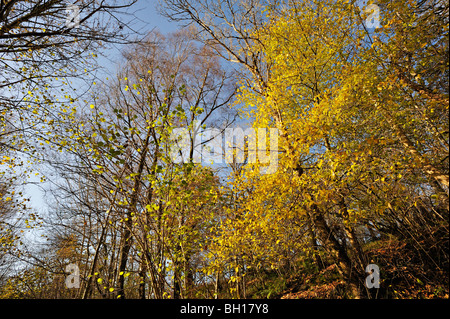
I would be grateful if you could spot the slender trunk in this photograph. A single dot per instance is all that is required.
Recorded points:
(427, 167)
(156, 288)
(124, 251)
(142, 279)
(238, 291)
(127, 235)
(331, 244)
(216, 286)
(148, 261)
(316, 258)
(189, 279)
(177, 274)
(351, 235)
(87, 291)
(443, 196)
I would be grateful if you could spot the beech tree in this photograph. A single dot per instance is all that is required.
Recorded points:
(44, 44)
(342, 134)
(361, 111)
(154, 211)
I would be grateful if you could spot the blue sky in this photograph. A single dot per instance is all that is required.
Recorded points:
(143, 17)
(146, 10)
(146, 19)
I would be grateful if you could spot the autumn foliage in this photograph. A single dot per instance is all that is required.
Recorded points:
(362, 174)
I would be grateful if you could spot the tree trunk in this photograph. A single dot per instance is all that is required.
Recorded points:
(216, 286)
(177, 278)
(142, 279)
(87, 290)
(317, 259)
(331, 244)
(427, 167)
(189, 279)
(127, 236)
(351, 235)
(123, 259)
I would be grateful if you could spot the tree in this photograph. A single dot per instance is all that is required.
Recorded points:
(44, 45)
(40, 45)
(342, 124)
(124, 153)
(361, 112)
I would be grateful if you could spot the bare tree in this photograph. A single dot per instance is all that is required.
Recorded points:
(43, 43)
(231, 27)
(122, 193)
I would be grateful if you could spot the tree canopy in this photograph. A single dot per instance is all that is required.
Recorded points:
(358, 96)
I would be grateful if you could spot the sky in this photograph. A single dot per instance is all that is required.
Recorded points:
(143, 18)
(146, 18)
(146, 11)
